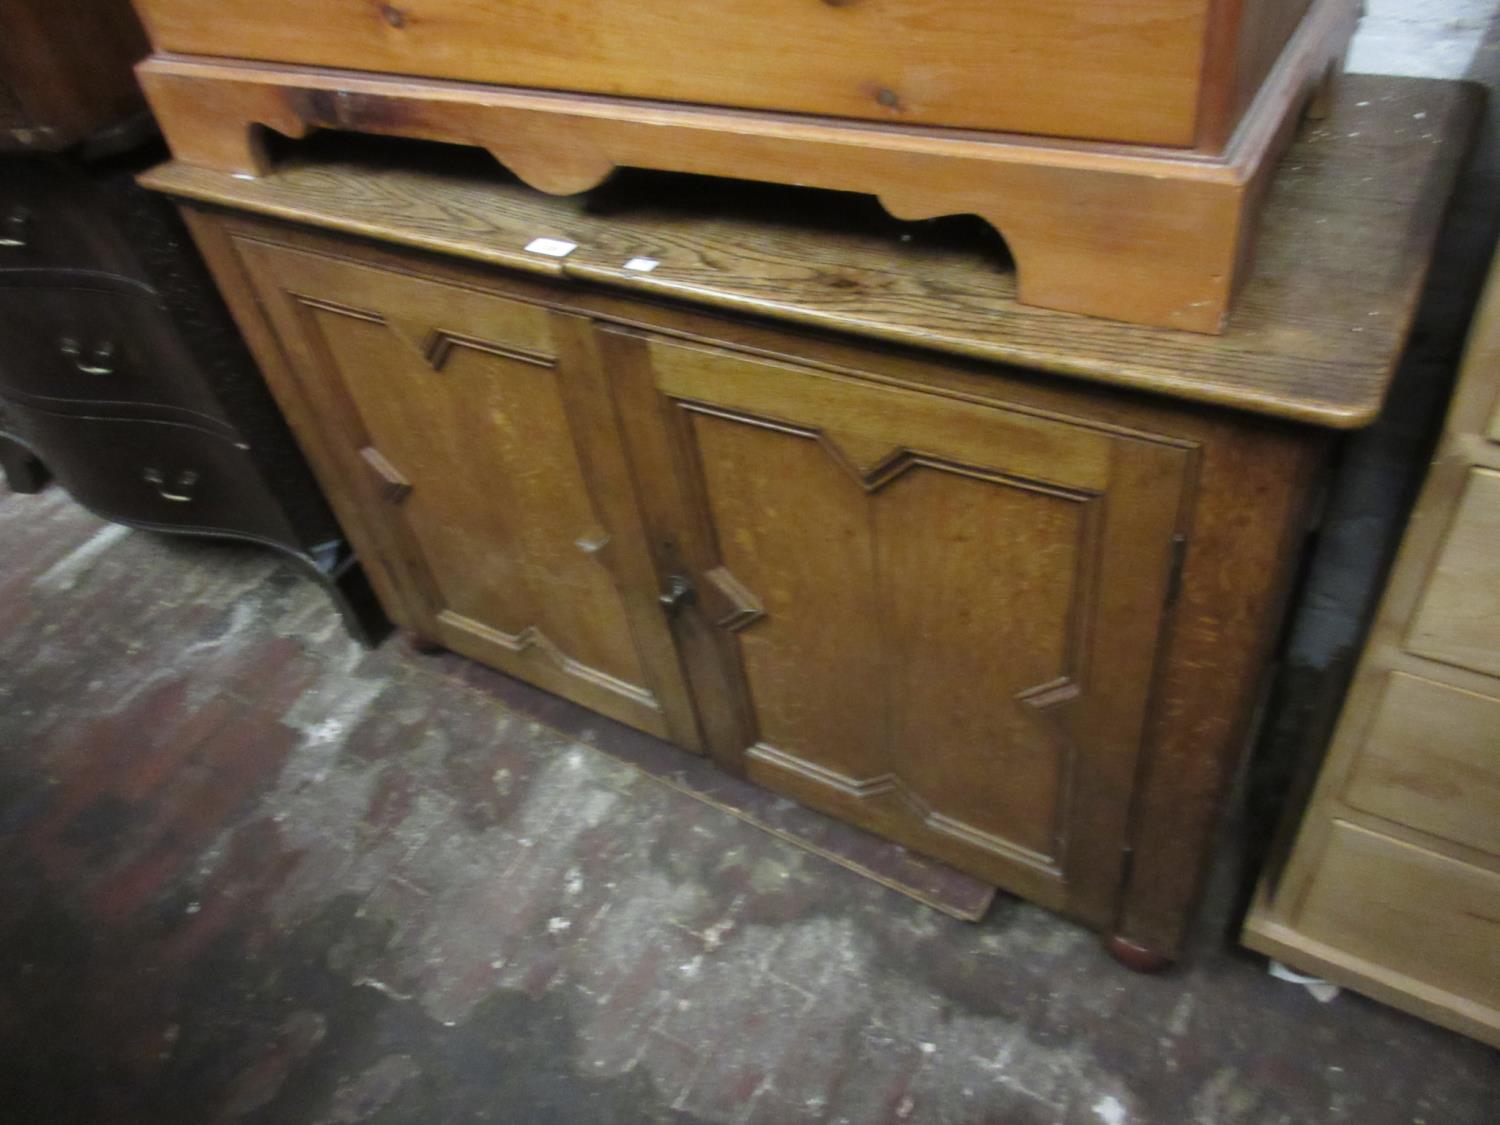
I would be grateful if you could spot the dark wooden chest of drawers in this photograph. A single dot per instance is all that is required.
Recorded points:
(65, 71)
(122, 374)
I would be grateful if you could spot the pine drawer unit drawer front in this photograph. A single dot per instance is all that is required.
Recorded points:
(1432, 761)
(449, 416)
(1458, 619)
(1409, 910)
(1125, 70)
(81, 340)
(935, 618)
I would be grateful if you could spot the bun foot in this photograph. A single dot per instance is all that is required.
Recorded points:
(24, 471)
(1136, 958)
(419, 645)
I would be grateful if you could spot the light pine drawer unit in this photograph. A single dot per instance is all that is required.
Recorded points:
(1122, 147)
(1393, 881)
(866, 530)
(1160, 72)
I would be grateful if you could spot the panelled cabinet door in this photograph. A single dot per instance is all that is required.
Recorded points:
(458, 420)
(932, 616)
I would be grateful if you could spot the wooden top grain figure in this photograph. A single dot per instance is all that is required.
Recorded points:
(1122, 147)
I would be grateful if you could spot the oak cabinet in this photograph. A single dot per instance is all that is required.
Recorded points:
(1458, 619)
(909, 595)
(933, 617)
(829, 506)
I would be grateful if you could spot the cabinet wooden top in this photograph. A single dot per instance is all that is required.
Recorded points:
(1347, 236)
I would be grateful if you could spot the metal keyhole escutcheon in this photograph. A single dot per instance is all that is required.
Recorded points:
(679, 592)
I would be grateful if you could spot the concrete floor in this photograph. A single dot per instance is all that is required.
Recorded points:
(1420, 38)
(252, 873)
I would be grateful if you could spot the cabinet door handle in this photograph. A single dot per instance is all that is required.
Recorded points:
(100, 361)
(679, 592)
(183, 487)
(16, 228)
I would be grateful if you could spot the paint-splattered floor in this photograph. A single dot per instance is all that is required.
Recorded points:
(250, 873)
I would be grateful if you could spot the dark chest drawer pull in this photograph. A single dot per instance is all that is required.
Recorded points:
(183, 486)
(100, 361)
(14, 229)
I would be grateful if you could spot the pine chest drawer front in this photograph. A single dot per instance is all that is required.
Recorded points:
(155, 474)
(1121, 70)
(446, 418)
(91, 341)
(1411, 911)
(1432, 761)
(1458, 620)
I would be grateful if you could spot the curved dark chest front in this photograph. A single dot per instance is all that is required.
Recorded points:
(123, 377)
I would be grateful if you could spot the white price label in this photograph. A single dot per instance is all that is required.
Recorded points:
(551, 247)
